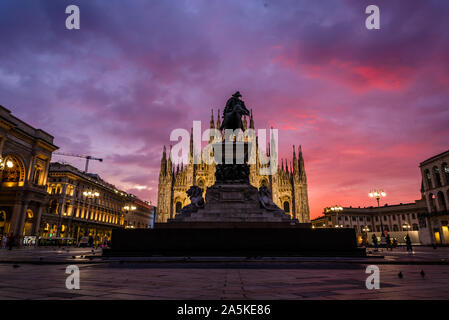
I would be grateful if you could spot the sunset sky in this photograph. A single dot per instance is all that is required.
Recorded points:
(367, 106)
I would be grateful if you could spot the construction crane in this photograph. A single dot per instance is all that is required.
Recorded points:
(79, 156)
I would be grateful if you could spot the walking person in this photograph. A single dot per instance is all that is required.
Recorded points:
(375, 243)
(388, 239)
(408, 243)
(11, 241)
(4, 240)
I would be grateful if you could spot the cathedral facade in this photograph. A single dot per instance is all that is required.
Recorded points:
(288, 184)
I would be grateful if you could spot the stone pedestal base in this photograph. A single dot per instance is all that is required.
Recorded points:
(233, 203)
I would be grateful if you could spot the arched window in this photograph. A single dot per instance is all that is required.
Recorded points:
(264, 183)
(441, 201)
(286, 207)
(52, 206)
(37, 174)
(436, 174)
(428, 179)
(433, 207)
(395, 227)
(178, 206)
(445, 170)
(415, 227)
(14, 171)
(200, 183)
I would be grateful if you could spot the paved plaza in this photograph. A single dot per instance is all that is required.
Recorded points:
(40, 274)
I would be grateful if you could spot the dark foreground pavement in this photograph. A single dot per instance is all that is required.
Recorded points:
(40, 274)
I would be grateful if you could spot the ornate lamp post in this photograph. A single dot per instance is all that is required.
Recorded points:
(365, 234)
(90, 195)
(406, 226)
(127, 208)
(378, 193)
(336, 209)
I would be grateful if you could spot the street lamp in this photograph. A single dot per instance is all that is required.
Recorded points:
(365, 230)
(406, 226)
(91, 195)
(378, 193)
(336, 209)
(128, 208)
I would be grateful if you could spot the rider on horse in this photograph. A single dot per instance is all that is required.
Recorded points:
(229, 110)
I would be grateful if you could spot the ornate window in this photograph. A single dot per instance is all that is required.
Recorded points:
(14, 172)
(445, 170)
(178, 206)
(287, 207)
(436, 173)
(432, 202)
(441, 201)
(428, 179)
(37, 174)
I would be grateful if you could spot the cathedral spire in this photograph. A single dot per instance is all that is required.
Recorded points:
(245, 123)
(295, 162)
(169, 163)
(302, 169)
(251, 120)
(212, 125)
(218, 120)
(191, 146)
(164, 161)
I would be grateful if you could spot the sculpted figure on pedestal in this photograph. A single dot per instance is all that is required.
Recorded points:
(266, 199)
(195, 194)
(233, 112)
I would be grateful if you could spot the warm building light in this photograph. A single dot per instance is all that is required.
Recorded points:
(9, 164)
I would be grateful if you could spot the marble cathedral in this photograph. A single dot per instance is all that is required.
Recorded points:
(288, 184)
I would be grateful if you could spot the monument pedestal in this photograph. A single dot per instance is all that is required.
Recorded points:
(235, 219)
(233, 203)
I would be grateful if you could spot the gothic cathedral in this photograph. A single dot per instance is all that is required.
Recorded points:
(288, 184)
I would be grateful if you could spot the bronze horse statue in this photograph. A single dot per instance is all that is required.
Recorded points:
(233, 120)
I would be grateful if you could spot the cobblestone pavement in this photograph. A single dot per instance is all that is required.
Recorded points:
(277, 279)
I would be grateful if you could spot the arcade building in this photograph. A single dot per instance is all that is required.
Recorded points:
(24, 163)
(82, 204)
(40, 200)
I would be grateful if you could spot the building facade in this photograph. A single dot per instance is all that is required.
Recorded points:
(288, 184)
(82, 204)
(25, 158)
(395, 220)
(435, 188)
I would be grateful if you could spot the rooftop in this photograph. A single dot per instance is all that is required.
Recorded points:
(440, 155)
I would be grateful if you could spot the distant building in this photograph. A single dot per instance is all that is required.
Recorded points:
(25, 159)
(397, 220)
(435, 188)
(82, 204)
(288, 184)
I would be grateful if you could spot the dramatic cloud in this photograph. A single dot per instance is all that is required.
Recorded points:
(366, 105)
